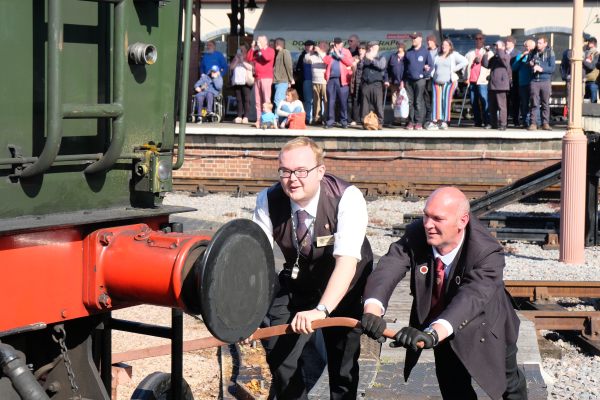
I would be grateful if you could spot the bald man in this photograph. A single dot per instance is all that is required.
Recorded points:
(460, 307)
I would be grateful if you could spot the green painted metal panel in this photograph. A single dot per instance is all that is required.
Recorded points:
(86, 74)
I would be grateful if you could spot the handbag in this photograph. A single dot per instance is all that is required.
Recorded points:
(371, 122)
(249, 73)
(297, 121)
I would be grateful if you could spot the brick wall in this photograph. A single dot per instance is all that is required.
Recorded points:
(462, 161)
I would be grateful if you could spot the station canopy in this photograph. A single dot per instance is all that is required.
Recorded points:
(383, 20)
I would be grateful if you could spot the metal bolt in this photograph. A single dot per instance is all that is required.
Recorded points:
(54, 386)
(64, 313)
(105, 300)
(105, 238)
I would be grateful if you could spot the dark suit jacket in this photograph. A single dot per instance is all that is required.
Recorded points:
(478, 307)
(500, 70)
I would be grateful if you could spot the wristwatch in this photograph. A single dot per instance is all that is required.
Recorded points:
(323, 308)
(430, 331)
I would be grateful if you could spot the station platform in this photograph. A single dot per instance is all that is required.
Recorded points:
(466, 131)
(394, 160)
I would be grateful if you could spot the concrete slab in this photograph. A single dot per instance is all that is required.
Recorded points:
(228, 129)
(385, 380)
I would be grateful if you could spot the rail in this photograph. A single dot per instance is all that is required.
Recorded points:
(54, 119)
(370, 188)
(118, 133)
(184, 84)
(543, 290)
(521, 189)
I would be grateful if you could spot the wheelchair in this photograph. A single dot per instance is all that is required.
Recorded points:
(204, 115)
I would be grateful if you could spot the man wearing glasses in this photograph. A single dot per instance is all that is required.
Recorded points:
(353, 43)
(319, 222)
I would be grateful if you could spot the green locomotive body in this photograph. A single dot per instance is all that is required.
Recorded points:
(88, 81)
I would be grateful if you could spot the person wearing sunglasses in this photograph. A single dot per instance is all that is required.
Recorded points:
(319, 222)
(353, 44)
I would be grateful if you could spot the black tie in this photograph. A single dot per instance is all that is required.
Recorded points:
(304, 239)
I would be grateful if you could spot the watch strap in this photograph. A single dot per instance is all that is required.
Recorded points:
(430, 331)
(323, 307)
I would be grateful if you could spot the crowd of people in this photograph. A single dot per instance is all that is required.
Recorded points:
(335, 85)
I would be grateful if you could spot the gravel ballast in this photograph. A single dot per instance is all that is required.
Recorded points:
(575, 376)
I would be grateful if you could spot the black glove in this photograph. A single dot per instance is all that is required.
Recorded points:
(373, 326)
(409, 336)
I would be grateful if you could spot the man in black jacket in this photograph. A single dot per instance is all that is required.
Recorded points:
(372, 82)
(395, 74)
(460, 306)
(513, 95)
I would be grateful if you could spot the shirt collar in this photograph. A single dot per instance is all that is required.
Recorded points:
(448, 259)
(312, 206)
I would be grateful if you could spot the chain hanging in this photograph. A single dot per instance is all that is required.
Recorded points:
(60, 337)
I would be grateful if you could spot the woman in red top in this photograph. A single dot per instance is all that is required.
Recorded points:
(263, 58)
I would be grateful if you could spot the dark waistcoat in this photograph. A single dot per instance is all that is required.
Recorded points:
(315, 270)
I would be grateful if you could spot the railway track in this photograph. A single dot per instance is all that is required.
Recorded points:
(542, 229)
(537, 300)
(369, 188)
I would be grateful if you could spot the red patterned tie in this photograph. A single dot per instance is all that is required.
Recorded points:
(437, 297)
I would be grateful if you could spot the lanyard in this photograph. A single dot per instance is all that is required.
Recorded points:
(296, 267)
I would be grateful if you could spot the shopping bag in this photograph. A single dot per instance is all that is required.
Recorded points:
(401, 106)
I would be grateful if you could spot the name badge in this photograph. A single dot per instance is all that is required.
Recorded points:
(325, 240)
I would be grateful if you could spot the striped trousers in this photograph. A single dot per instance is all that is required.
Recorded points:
(442, 100)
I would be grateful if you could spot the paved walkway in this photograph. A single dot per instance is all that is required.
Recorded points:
(382, 372)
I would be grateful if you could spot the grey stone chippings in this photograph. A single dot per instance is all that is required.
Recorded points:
(575, 376)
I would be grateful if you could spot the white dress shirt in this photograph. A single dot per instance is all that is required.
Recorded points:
(447, 259)
(351, 226)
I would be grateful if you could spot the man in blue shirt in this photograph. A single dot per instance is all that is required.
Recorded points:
(212, 57)
(417, 68)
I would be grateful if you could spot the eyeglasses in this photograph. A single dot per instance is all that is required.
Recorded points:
(300, 173)
(478, 38)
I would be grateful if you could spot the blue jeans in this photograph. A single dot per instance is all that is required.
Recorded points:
(478, 94)
(287, 109)
(279, 96)
(335, 91)
(591, 91)
(308, 100)
(200, 101)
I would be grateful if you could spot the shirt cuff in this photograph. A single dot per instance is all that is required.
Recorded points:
(444, 323)
(375, 301)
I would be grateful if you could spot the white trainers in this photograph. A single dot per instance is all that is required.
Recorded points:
(353, 123)
(237, 120)
(244, 120)
(443, 125)
(431, 126)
